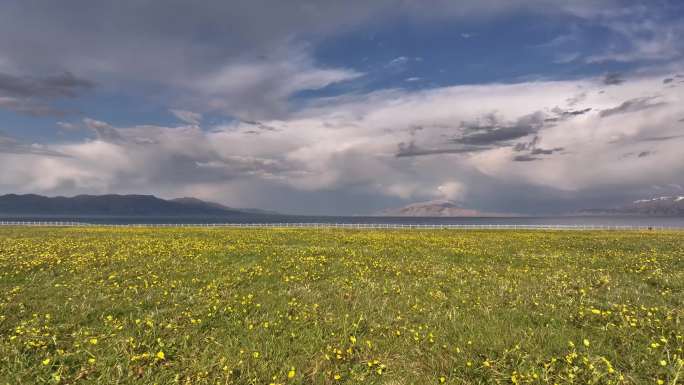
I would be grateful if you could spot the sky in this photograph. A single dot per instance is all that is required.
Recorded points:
(345, 108)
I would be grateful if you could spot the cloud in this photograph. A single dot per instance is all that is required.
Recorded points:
(490, 130)
(660, 138)
(411, 149)
(33, 95)
(104, 131)
(562, 114)
(187, 116)
(232, 57)
(546, 151)
(576, 99)
(399, 61)
(68, 126)
(633, 105)
(261, 126)
(57, 86)
(362, 151)
(613, 79)
(451, 190)
(533, 150)
(244, 59)
(9, 145)
(525, 158)
(260, 88)
(642, 34)
(533, 144)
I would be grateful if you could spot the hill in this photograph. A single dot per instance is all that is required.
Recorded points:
(436, 208)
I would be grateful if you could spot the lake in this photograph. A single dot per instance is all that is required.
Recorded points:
(677, 222)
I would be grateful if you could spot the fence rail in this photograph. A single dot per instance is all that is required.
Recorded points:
(316, 225)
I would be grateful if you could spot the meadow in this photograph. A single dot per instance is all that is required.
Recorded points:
(298, 306)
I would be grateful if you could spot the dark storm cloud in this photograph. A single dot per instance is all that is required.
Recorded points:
(259, 125)
(64, 85)
(526, 146)
(182, 49)
(660, 138)
(668, 80)
(411, 149)
(546, 151)
(525, 158)
(493, 135)
(613, 79)
(166, 37)
(32, 95)
(201, 56)
(562, 114)
(633, 105)
(490, 130)
(533, 151)
(159, 31)
(570, 113)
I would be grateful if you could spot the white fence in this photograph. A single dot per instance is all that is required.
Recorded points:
(397, 226)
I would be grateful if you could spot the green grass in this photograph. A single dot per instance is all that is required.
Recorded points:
(261, 306)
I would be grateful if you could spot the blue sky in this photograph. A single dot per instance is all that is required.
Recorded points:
(317, 107)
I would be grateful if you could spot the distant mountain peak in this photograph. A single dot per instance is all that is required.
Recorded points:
(657, 206)
(433, 208)
(660, 199)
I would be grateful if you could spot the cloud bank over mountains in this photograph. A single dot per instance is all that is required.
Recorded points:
(470, 135)
(249, 116)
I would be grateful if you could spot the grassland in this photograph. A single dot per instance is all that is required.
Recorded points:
(223, 306)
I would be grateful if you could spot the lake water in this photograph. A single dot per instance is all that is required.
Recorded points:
(528, 221)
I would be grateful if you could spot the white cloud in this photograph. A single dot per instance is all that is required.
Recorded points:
(188, 117)
(68, 126)
(257, 88)
(451, 190)
(349, 145)
(648, 39)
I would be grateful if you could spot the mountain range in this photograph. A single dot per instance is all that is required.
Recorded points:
(117, 205)
(149, 205)
(669, 206)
